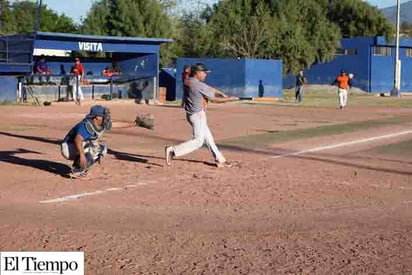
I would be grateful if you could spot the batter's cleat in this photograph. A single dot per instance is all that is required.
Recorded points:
(224, 164)
(169, 154)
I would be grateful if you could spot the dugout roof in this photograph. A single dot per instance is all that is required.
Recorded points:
(16, 51)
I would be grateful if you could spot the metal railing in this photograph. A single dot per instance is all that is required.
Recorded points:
(68, 86)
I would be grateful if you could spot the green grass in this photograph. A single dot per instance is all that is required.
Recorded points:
(6, 103)
(402, 148)
(21, 127)
(319, 96)
(273, 137)
(175, 102)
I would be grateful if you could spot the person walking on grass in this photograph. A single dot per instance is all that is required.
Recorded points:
(344, 83)
(195, 106)
(300, 81)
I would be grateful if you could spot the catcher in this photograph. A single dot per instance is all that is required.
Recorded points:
(81, 143)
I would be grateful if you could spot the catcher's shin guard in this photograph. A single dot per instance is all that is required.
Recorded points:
(99, 153)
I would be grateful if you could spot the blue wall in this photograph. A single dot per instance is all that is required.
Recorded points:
(8, 88)
(167, 79)
(372, 73)
(406, 72)
(15, 54)
(383, 71)
(237, 77)
(17, 48)
(146, 65)
(269, 72)
(325, 73)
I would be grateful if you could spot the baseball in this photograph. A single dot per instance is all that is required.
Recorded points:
(350, 75)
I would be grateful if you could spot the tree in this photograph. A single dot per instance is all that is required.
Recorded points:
(406, 29)
(23, 16)
(7, 22)
(292, 30)
(304, 35)
(195, 37)
(358, 18)
(131, 18)
(50, 21)
(241, 29)
(96, 19)
(300, 32)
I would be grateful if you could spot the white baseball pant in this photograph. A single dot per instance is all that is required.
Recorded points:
(343, 97)
(201, 136)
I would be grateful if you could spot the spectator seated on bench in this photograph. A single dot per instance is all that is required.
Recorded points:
(41, 67)
(109, 72)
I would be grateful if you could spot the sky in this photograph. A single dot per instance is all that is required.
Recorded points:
(384, 3)
(77, 9)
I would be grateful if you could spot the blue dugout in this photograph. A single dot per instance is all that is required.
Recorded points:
(137, 58)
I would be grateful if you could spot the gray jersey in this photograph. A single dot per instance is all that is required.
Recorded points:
(197, 91)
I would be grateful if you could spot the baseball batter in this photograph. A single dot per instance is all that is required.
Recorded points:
(195, 108)
(81, 144)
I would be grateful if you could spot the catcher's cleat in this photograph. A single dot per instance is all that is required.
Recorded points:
(169, 154)
(224, 164)
(78, 172)
(78, 175)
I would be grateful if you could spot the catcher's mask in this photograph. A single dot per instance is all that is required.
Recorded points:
(99, 110)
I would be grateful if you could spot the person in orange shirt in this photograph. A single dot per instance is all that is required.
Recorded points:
(344, 83)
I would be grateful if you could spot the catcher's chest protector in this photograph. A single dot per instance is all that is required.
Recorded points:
(92, 130)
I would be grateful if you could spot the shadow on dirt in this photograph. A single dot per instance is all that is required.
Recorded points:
(384, 159)
(118, 155)
(138, 158)
(144, 158)
(355, 165)
(41, 164)
(174, 106)
(133, 157)
(41, 139)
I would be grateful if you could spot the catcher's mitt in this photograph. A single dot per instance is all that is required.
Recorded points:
(145, 121)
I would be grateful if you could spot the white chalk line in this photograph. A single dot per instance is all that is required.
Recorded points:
(376, 186)
(390, 187)
(88, 194)
(343, 144)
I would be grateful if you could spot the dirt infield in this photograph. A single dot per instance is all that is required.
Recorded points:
(307, 196)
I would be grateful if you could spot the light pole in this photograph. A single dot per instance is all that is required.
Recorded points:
(397, 80)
